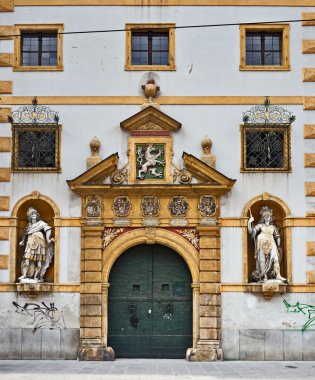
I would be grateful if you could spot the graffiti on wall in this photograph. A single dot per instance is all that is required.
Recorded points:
(41, 316)
(303, 308)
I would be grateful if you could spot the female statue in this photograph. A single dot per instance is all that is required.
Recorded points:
(267, 247)
(39, 248)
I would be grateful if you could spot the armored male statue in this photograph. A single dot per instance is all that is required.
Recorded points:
(267, 247)
(38, 248)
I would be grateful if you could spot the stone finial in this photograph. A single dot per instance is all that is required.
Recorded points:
(94, 158)
(150, 90)
(207, 157)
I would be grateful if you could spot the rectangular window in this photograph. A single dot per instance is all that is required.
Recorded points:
(36, 148)
(150, 47)
(38, 48)
(266, 148)
(264, 47)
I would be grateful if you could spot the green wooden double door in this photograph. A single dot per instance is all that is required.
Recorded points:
(150, 304)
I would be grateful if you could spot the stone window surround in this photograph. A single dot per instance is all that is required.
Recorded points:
(284, 28)
(146, 27)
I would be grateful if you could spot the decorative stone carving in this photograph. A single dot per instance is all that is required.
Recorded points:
(150, 90)
(94, 158)
(178, 206)
(191, 235)
(150, 206)
(207, 157)
(121, 206)
(150, 234)
(150, 126)
(93, 210)
(39, 248)
(184, 176)
(150, 161)
(207, 205)
(268, 253)
(109, 234)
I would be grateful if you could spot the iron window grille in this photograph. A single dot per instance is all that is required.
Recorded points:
(35, 139)
(39, 49)
(264, 48)
(266, 139)
(149, 48)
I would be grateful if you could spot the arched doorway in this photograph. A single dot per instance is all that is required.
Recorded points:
(150, 303)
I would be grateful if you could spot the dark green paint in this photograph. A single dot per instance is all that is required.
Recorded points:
(150, 277)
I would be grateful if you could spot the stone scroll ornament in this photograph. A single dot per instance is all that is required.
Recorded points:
(268, 253)
(178, 206)
(150, 206)
(207, 206)
(38, 246)
(121, 206)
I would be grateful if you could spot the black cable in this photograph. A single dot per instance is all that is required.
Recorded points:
(177, 27)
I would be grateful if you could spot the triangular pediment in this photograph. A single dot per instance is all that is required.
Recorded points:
(96, 173)
(205, 173)
(150, 119)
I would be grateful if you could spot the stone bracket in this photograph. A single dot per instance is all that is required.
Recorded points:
(267, 289)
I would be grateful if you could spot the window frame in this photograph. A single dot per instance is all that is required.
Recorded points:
(170, 28)
(34, 28)
(286, 128)
(268, 28)
(16, 128)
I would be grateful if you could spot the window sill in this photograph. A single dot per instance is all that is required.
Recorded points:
(262, 170)
(264, 68)
(43, 171)
(149, 68)
(38, 68)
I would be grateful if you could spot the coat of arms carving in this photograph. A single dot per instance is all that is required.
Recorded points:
(207, 205)
(150, 161)
(121, 206)
(178, 206)
(93, 206)
(150, 206)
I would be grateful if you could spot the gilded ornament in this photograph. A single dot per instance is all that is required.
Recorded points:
(119, 176)
(178, 206)
(109, 234)
(207, 205)
(150, 206)
(149, 126)
(121, 206)
(191, 235)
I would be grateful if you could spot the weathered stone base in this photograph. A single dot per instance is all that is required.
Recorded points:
(206, 351)
(96, 354)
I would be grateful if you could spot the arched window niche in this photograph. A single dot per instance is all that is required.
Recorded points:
(49, 213)
(281, 213)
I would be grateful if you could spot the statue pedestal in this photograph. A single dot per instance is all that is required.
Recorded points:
(206, 351)
(33, 289)
(93, 349)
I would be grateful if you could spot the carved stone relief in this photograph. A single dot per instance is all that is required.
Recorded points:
(178, 206)
(93, 208)
(150, 206)
(207, 206)
(150, 161)
(121, 206)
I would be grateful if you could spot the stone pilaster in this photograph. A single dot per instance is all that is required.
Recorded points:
(208, 346)
(91, 332)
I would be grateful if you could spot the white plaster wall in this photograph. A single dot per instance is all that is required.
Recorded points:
(70, 248)
(207, 59)
(68, 303)
(248, 311)
(231, 255)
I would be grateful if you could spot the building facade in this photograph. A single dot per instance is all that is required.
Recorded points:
(157, 179)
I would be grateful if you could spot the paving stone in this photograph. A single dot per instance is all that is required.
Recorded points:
(292, 345)
(274, 345)
(50, 344)
(252, 344)
(231, 344)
